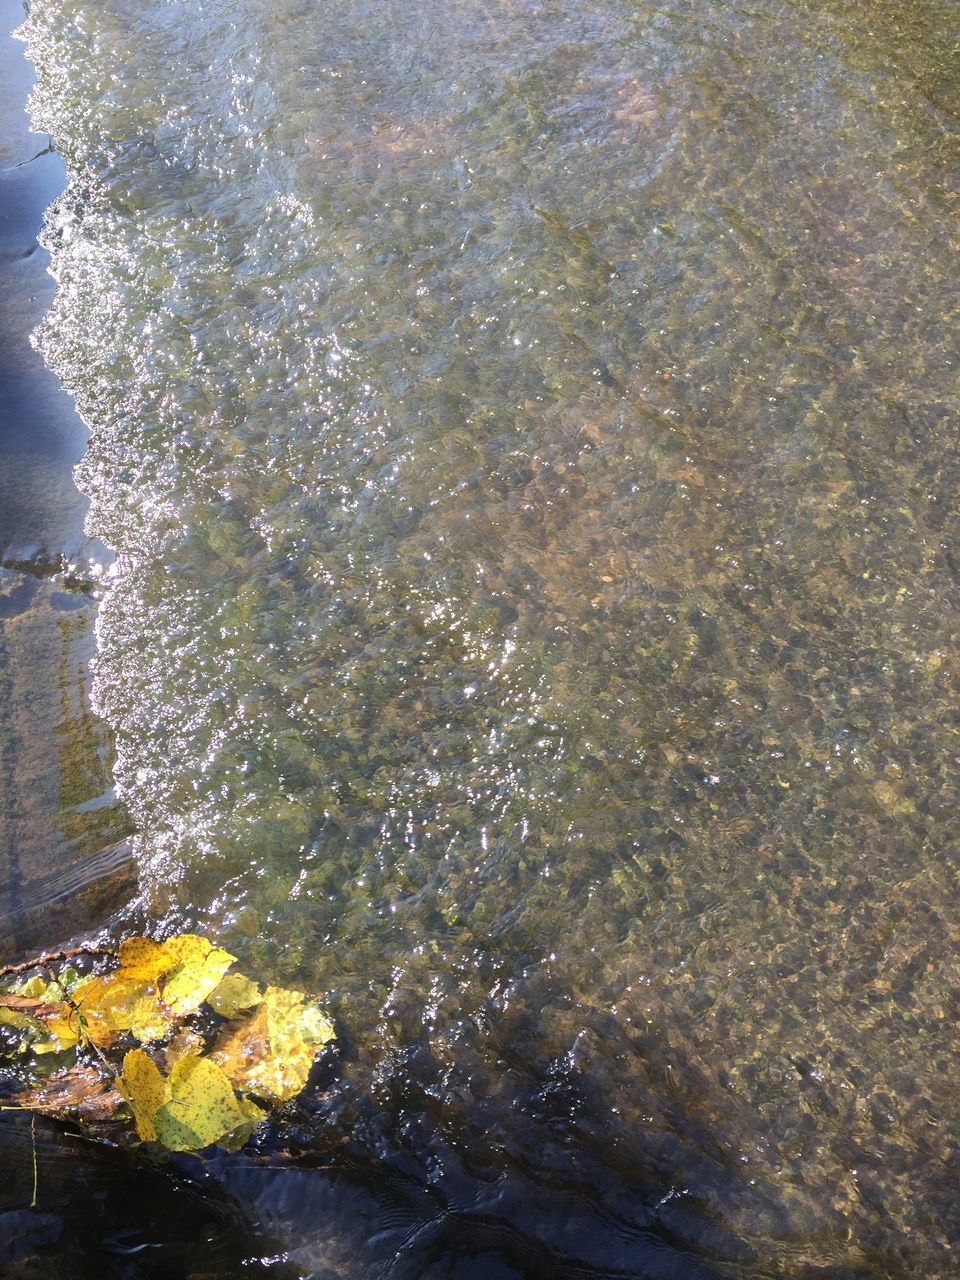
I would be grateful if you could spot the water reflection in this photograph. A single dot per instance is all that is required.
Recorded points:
(526, 431)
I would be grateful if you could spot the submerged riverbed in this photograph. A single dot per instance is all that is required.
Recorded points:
(528, 437)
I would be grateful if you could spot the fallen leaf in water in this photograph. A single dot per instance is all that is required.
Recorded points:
(62, 1031)
(144, 1090)
(18, 1019)
(114, 1004)
(26, 1004)
(271, 1053)
(252, 1116)
(233, 994)
(34, 988)
(144, 959)
(199, 968)
(192, 1109)
(82, 1093)
(202, 1107)
(46, 1026)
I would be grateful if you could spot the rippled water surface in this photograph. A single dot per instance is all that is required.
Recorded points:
(528, 432)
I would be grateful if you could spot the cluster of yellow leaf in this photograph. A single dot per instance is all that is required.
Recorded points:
(194, 1107)
(265, 1049)
(156, 984)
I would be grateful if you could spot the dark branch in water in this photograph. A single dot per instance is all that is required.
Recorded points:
(49, 149)
(51, 957)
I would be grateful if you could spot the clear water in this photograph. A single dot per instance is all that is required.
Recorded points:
(528, 436)
(59, 834)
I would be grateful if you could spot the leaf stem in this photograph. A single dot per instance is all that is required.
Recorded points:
(36, 1169)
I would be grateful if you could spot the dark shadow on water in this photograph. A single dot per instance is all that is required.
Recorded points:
(100, 1213)
(103, 1211)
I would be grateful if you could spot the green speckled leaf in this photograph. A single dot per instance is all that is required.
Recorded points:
(202, 1107)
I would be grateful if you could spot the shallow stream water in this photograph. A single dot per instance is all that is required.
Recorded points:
(528, 435)
(62, 857)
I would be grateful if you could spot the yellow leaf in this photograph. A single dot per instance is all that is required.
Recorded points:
(145, 959)
(199, 968)
(115, 1003)
(63, 1030)
(271, 1053)
(35, 988)
(252, 1117)
(145, 1091)
(242, 1050)
(233, 994)
(48, 1027)
(17, 1018)
(314, 1025)
(294, 1026)
(202, 1107)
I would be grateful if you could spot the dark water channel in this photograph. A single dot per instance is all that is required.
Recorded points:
(528, 435)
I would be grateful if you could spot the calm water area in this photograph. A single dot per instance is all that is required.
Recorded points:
(59, 823)
(527, 433)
